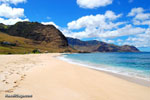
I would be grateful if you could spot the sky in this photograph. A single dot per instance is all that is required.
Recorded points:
(121, 22)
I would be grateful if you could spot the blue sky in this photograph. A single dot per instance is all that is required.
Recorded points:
(114, 21)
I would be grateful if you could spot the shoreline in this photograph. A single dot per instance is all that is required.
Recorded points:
(49, 78)
(121, 76)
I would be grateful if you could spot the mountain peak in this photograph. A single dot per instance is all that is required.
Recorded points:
(38, 32)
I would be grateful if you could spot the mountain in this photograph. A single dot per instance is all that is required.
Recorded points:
(38, 32)
(28, 36)
(98, 46)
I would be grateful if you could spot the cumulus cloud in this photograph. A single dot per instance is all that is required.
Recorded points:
(135, 11)
(124, 31)
(140, 16)
(108, 41)
(11, 15)
(50, 23)
(12, 21)
(140, 40)
(93, 3)
(127, 30)
(99, 20)
(13, 1)
(9, 12)
(111, 15)
(100, 25)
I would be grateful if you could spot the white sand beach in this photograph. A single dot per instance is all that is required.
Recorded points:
(47, 78)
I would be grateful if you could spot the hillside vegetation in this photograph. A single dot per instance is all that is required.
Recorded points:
(26, 37)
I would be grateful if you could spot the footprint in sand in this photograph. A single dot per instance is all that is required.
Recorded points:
(15, 86)
(10, 90)
(22, 77)
(3, 80)
(6, 82)
(15, 82)
(18, 73)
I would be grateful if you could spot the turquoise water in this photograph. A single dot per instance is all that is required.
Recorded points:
(130, 64)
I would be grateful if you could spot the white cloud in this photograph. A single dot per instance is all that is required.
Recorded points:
(67, 32)
(135, 11)
(141, 40)
(9, 12)
(50, 23)
(119, 41)
(12, 21)
(79, 35)
(125, 31)
(13, 1)
(109, 41)
(102, 26)
(140, 17)
(111, 15)
(140, 22)
(93, 3)
(11, 15)
(102, 21)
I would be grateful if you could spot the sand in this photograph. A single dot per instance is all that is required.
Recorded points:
(47, 78)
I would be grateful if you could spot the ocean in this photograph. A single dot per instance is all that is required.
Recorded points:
(136, 65)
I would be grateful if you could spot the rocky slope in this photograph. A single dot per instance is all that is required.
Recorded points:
(98, 46)
(33, 35)
(38, 32)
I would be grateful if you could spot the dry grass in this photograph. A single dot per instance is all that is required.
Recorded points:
(27, 45)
